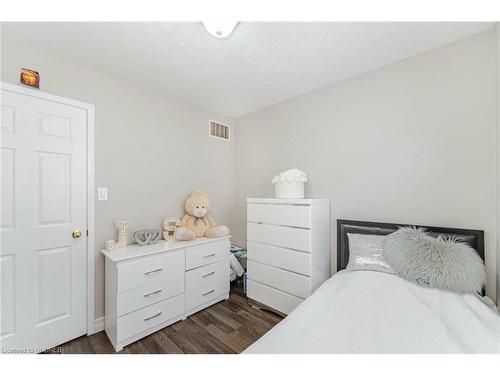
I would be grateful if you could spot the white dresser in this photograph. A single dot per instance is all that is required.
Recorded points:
(288, 242)
(150, 287)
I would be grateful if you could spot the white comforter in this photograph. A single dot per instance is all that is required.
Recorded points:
(374, 312)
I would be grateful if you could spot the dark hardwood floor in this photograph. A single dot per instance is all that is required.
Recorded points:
(227, 327)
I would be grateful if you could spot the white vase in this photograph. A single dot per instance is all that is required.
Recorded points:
(289, 190)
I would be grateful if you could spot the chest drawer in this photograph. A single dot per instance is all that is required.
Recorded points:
(279, 257)
(206, 292)
(293, 238)
(149, 317)
(202, 275)
(168, 285)
(286, 281)
(209, 253)
(143, 271)
(280, 214)
(271, 297)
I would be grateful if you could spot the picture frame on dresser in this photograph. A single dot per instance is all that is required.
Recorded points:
(150, 287)
(288, 244)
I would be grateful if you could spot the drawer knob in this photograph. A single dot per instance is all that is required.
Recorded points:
(209, 255)
(209, 274)
(153, 293)
(207, 293)
(153, 316)
(153, 271)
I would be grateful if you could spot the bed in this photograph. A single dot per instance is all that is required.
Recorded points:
(376, 312)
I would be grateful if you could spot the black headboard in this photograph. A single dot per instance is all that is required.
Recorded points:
(475, 238)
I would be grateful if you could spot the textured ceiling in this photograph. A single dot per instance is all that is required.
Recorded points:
(258, 65)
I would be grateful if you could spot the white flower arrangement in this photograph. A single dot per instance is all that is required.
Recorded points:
(289, 184)
(290, 175)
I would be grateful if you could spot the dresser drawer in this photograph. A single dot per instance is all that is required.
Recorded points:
(293, 238)
(206, 292)
(136, 322)
(209, 253)
(143, 271)
(168, 285)
(203, 275)
(286, 281)
(272, 297)
(280, 214)
(280, 257)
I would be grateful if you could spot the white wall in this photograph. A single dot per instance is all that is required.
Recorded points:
(497, 45)
(151, 151)
(413, 142)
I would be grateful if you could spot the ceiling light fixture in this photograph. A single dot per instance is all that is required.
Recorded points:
(219, 29)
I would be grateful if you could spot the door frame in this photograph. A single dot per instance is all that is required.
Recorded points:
(90, 141)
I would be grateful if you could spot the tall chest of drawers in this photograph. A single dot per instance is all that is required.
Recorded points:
(150, 287)
(288, 242)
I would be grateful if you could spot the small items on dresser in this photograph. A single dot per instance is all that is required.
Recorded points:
(147, 236)
(288, 244)
(197, 222)
(170, 224)
(122, 236)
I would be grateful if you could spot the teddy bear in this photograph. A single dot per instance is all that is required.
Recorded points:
(197, 222)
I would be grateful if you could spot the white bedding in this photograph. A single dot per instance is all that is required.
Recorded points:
(374, 312)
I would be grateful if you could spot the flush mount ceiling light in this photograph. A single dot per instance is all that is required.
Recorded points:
(219, 29)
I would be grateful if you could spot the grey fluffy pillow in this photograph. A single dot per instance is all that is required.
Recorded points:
(443, 263)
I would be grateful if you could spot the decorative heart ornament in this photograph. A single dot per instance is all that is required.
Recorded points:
(147, 236)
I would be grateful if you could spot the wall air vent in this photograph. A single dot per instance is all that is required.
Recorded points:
(218, 130)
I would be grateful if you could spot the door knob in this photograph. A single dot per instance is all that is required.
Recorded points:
(76, 234)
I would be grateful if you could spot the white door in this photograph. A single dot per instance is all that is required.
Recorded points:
(43, 197)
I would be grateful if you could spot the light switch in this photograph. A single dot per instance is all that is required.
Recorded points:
(102, 193)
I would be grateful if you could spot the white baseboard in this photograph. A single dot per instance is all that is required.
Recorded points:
(99, 324)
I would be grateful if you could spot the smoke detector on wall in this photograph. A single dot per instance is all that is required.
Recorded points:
(220, 29)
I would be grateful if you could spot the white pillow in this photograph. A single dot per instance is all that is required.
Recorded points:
(366, 253)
